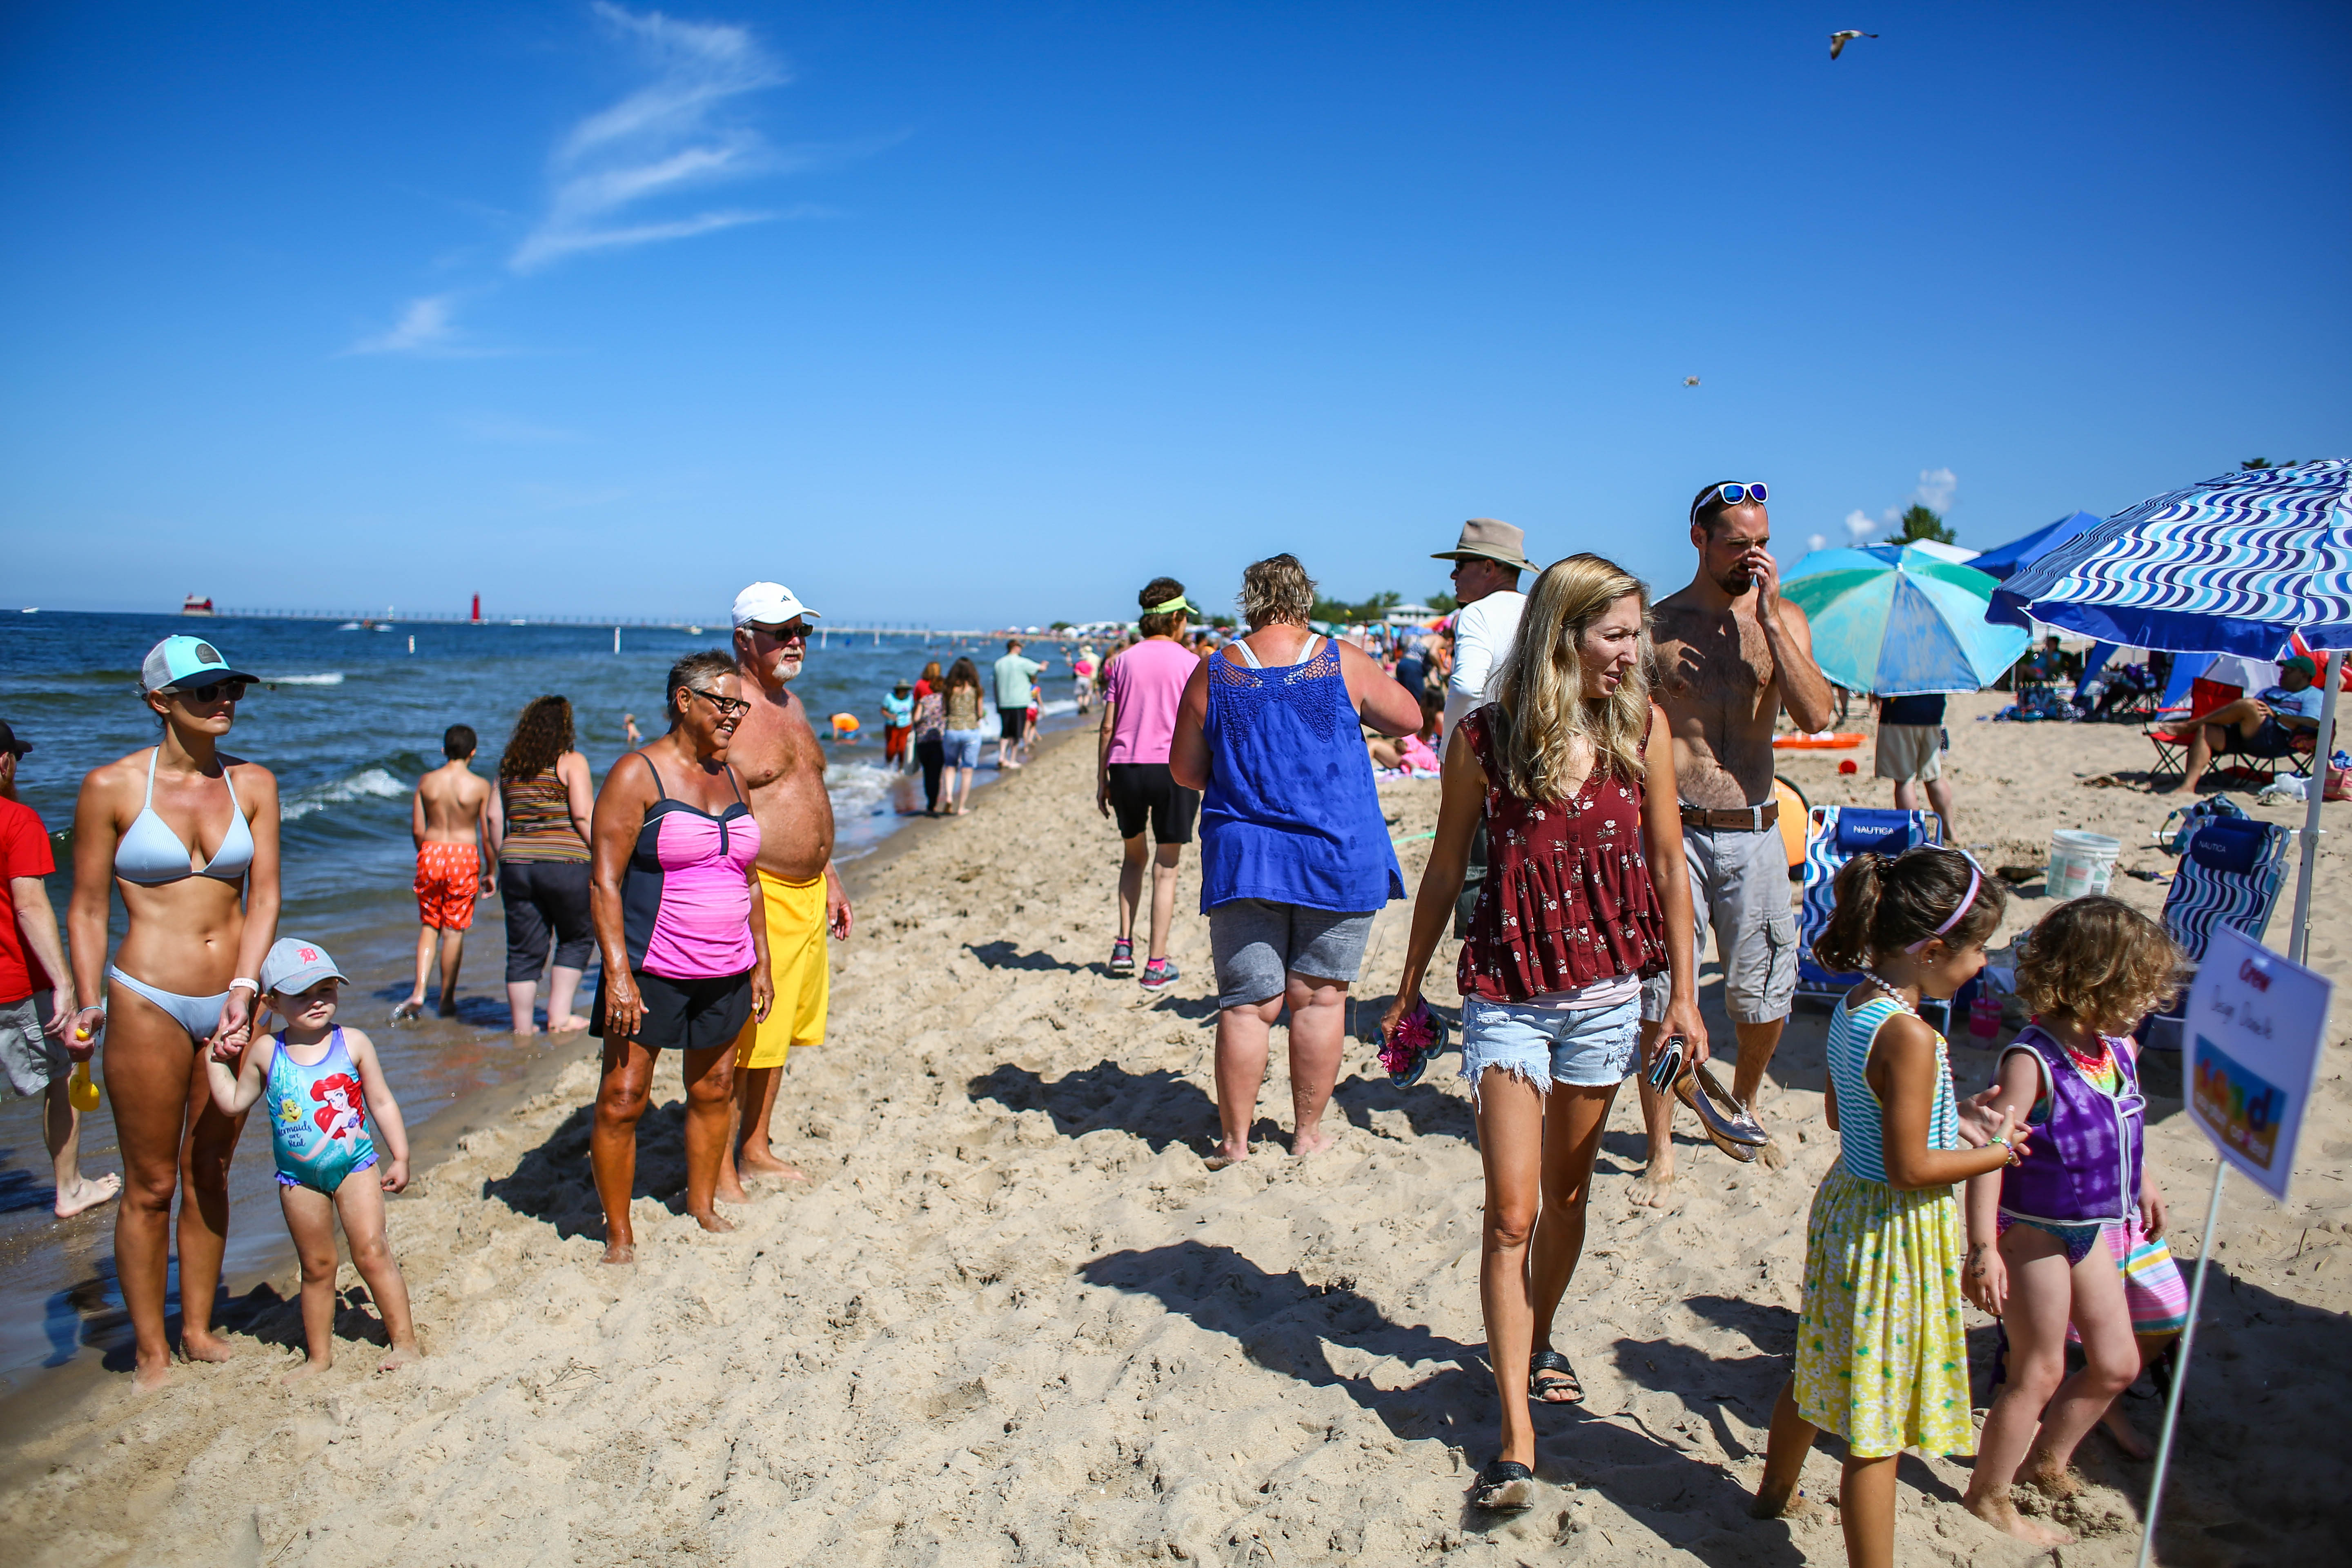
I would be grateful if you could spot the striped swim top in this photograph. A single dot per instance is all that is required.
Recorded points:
(1860, 1133)
(538, 820)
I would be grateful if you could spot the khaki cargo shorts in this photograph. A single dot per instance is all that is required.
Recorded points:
(1910, 753)
(1740, 890)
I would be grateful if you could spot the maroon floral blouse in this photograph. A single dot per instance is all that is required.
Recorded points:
(1567, 899)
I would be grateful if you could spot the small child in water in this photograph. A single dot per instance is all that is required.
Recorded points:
(324, 1083)
(2074, 1231)
(1881, 1359)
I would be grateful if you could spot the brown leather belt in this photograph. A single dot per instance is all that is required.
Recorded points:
(1744, 820)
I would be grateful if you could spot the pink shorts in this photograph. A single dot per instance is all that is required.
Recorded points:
(2152, 1289)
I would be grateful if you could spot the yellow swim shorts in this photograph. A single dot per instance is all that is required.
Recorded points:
(799, 968)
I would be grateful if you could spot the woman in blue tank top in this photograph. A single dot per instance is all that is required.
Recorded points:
(1294, 854)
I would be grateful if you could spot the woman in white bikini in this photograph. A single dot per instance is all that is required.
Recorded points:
(191, 837)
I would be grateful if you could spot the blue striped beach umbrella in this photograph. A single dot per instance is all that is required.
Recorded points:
(2230, 566)
(1895, 621)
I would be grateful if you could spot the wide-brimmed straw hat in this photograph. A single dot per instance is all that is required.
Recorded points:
(1491, 541)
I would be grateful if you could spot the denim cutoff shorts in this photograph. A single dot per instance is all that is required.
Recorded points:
(1596, 1047)
(960, 748)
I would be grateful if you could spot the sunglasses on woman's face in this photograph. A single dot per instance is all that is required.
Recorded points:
(729, 707)
(216, 690)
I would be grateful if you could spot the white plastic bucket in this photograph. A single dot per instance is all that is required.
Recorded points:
(2081, 863)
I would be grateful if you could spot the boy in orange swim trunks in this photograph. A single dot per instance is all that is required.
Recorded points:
(450, 820)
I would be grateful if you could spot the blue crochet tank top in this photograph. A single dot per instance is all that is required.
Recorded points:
(1291, 814)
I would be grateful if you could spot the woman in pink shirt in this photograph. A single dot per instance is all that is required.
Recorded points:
(675, 899)
(1142, 688)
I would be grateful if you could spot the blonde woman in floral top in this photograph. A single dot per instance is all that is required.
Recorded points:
(1585, 895)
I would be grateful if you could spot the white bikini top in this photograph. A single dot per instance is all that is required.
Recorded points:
(1306, 655)
(151, 854)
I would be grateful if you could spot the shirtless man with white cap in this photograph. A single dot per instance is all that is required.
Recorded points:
(776, 752)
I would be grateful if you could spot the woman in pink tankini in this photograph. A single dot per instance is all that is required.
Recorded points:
(677, 906)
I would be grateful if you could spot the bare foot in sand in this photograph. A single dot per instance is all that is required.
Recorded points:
(2124, 1434)
(1225, 1154)
(2048, 1476)
(412, 1008)
(1654, 1187)
(88, 1194)
(759, 1163)
(1772, 1156)
(206, 1347)
(147, 1379)
(714, 1222)
(730, 1191)
(400, 1356)
(1996, 1510)
(570, 1023)
(620, 1252)
(1782, 1503)
(1305, 1143)
(308, 1368)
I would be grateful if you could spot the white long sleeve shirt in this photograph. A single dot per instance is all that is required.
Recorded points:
(1483, 633)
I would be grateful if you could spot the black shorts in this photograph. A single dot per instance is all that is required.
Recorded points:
(1141, 789)
(545, 899)
(685, 1014)
(2273, 740)
(1015, 722)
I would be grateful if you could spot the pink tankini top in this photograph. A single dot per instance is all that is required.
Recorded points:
(685, 905)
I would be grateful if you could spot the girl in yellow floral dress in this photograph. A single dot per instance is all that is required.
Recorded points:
(1881, 1356)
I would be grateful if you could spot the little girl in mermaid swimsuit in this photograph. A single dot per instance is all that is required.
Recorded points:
(321, 1082)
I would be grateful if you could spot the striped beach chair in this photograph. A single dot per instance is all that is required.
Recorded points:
(1833, 836)
(2231, 868)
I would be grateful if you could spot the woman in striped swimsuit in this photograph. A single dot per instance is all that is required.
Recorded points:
(539, 827)
(676, 905)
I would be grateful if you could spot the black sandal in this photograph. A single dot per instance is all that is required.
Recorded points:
(1504, 1486)
(1541, 1389)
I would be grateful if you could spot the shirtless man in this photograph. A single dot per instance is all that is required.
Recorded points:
(776, 752)
(450, 820)
(1731, 653)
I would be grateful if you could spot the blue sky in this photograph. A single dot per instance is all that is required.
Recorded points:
(968, 314)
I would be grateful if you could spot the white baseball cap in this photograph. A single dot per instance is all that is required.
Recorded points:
(770, 603)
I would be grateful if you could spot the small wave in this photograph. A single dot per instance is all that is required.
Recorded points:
(374, 784)
(856, 788)
(1056, 708)
(332, 677)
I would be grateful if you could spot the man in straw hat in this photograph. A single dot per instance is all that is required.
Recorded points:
(1488, 561)
(1730, 654)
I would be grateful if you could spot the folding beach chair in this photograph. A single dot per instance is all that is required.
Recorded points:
(1835, 835)
(2167, 731)
(2231, 868)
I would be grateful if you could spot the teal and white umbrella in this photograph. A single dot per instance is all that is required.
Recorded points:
(1895, 621)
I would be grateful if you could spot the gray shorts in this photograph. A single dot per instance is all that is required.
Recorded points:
(33, 1061)
(1740, 887)
(1257, 944)
(1910, 752)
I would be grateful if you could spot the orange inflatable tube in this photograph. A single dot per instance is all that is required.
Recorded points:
(1815, 742)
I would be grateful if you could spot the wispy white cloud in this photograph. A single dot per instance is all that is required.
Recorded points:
(1937, 488)
(426, 327)
(679, 133)
(1861, 524)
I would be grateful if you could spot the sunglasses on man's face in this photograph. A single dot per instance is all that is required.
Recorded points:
(791, 631)
(216, 690)
(729, 707)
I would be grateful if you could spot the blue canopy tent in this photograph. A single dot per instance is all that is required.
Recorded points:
(2003, 561)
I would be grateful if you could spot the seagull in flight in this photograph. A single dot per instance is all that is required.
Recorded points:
(1839, 40)
(1690, 381)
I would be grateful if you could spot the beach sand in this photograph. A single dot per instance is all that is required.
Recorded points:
(1012, 1319)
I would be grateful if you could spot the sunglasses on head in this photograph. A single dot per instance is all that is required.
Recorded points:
(729, 707)
(216, 690)
(1733, 495)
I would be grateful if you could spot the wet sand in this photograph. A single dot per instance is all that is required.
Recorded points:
(1012, 1318)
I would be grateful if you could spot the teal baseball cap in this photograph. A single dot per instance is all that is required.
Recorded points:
(179, 661)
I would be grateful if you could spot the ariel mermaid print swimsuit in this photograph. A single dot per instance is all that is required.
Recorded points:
(317, 1117)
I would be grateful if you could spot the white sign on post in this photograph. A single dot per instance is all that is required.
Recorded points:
(2252, 1040)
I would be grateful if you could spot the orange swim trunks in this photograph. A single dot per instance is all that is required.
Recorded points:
(447, 875)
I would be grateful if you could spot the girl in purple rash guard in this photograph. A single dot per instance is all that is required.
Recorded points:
(2046, 1237)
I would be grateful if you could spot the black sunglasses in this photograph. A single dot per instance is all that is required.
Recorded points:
(222, 691)
(791, 631)
(729, 707)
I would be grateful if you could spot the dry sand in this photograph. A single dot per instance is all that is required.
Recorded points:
(1012, 1319)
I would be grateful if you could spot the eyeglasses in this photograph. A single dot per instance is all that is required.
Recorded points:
(729, 707)
(1733, 495)
(791, 631)
(216, 690)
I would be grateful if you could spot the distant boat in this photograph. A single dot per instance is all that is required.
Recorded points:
(196, 604)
